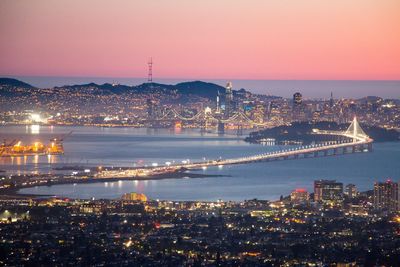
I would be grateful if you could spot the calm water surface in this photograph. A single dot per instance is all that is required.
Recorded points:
(130, 147)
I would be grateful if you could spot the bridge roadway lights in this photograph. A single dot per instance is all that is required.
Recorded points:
(327, 149)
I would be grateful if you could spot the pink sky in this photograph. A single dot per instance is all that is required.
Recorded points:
(239, 39)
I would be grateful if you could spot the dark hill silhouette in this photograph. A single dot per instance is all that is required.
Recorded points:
(197, 88)
(209, 90)
(14, 83)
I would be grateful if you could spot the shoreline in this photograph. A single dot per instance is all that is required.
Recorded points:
(134, 126)
(13, 193)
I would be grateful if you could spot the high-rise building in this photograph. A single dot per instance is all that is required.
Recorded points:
(386, 196)
(298, 112)
(218, 108)
(331, 101)
(351, 191)
(299, 196)
(228, 91)
(228, 99)
(328, 191)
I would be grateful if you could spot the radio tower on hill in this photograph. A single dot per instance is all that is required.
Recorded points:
(150, 74)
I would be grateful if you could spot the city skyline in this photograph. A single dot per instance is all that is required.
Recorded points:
(200, 133)
(354, 40)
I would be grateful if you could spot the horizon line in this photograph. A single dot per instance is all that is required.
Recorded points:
(193, 78)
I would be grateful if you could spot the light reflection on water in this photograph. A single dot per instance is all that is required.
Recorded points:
(94, 146)
(127, 146)
(34, 129)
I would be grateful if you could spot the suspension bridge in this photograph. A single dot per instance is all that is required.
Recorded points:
(356, 140)
(237, 117)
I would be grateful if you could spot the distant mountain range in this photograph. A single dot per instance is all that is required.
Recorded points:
(208, 90)
(8, 86)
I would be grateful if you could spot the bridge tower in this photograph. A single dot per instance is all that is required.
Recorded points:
(356, 130)
(221, 127)
(239, 130)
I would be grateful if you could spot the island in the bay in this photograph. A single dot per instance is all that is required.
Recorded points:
(302, 133)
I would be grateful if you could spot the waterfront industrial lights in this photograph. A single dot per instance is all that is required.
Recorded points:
(36, 117)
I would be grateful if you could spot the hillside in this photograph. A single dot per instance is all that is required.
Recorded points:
(185, 89)
(9, 82)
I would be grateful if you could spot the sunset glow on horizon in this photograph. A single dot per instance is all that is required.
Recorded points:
(278, 39)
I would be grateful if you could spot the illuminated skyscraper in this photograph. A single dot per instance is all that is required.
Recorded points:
(218, 108)
(299, 196)
(298, 113)
(386, 196)
(328, 191)
(331, 101)
(351, 191)
(228, 91)
(228, 99)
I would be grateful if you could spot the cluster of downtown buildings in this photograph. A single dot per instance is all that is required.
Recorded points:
(383, 198)
(335, 225)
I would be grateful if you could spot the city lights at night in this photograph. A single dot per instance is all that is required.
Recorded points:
(199, 133)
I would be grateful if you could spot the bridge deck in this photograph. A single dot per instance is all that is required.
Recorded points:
(354, 133)
(277, 154)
